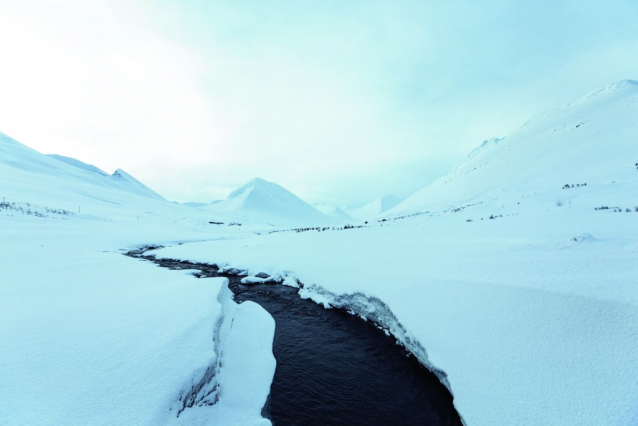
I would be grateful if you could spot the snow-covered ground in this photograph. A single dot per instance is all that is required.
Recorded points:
(530, 326)
(515, 275)
(90, 336)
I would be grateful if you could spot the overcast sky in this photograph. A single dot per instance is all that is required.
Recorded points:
(338, 101)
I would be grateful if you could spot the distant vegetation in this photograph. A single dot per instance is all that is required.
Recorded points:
(618, 209)
(320, 228)
(574, 185)
(29, 209)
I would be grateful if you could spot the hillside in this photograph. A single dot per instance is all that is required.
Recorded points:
(375, 208)
(52, 181)
(583, 155)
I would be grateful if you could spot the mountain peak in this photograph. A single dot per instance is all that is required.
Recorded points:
(121, 177)
(259, 199)
(259, 181)
(121, 174)
(254, 187)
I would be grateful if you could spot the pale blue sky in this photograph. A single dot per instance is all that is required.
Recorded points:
(338, 101)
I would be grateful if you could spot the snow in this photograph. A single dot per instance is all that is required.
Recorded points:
(77, 163)
(266, 201)
(90, 336)
(126, 181)
(531, 316)
(244, 370)
(84, 331)
(530, 327)
(194, 204)
(29, 176)
(375, 208)
(591, 140)
(505, 277)
(333, 211)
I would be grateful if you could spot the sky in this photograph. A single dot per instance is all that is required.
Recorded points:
(338, 101)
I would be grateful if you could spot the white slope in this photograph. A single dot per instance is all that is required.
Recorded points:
(194, 204)
(129, 183)
(333, 211)
(260, 200)
(27, 176)
(77, 163)
(591, 140)
(375, 208)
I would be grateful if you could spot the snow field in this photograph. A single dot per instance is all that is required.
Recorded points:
(530, 327)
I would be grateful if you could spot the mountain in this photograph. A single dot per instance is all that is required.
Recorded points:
(333, 211)
(260, 200)
(583, 154)
(28, 176)
(129, 183)
(375, 208)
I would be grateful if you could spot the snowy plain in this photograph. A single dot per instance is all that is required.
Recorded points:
(515, 275)
(90, 336)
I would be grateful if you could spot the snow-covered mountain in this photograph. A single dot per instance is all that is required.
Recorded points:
(266, 201)
(582, 154)
(28, 176)
(129, 183)
(375, 208)
(333, 211)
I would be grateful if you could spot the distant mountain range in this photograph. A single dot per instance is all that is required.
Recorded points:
(584, 152)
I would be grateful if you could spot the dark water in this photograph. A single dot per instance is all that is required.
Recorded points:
(336, 369)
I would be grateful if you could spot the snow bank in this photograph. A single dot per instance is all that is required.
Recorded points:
(235, 389)
(90, 336)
